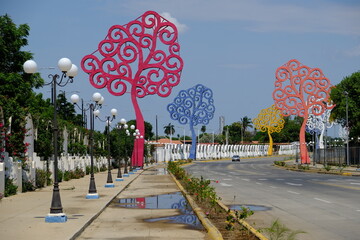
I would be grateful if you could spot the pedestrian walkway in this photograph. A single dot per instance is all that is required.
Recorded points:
(22, 216)
(152, 201)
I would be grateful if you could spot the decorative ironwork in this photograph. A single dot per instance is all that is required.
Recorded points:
(269, 120)
(316, 125)
(142, 57)
(301, 90)
(193, 106)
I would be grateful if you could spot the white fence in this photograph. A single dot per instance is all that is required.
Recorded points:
(13, 169)
(209, 151)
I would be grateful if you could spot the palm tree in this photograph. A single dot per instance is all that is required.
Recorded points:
(169, 129)
(203, 129)
(245, 123)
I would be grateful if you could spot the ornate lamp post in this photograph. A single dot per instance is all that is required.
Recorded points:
(134, 156)
(109, 181)
(99, 100)
(347, 129)
(69, 71)
(122, 125)
(139, 158)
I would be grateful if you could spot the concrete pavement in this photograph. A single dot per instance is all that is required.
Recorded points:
(22, 216)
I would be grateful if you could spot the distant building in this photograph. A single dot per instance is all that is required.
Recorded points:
(221, 124)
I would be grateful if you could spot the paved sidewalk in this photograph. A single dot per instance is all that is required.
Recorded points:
(22, 216)
(154, 202)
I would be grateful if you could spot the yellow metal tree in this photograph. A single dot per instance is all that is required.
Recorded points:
(269, 120)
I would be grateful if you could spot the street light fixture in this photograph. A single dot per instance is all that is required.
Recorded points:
(94, 111)
(109, 181)
(69, 71)
(120, 126)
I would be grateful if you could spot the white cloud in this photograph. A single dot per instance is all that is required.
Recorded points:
(265, 16)
(180, 27)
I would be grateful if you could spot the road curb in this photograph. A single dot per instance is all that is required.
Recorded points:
(244, 223)
(213, 232)
(78, 233)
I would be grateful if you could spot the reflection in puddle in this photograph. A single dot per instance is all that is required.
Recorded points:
(158, 171)
(250, 207)
(164, 201)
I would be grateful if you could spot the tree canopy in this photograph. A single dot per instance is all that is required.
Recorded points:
(348, 88)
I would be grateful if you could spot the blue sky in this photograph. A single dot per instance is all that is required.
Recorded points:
(231, 46)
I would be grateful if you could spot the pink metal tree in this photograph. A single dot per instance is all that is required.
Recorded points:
(301, 90)
(141, 57)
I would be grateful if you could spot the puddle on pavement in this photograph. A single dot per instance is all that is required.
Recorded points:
(250, 207)
(158, 171)
(164, 201)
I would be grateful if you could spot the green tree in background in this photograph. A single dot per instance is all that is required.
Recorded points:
(350, 87)
(15, 85)
(169, 129)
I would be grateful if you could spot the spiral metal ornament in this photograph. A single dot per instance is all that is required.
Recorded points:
(301, 90)
(269, 120)
(193, 106)
(142, 56)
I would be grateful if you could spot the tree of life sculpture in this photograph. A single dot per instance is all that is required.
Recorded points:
(316, 125)
(269, 120)
(141, 57)
(194, 106)
(301, 90)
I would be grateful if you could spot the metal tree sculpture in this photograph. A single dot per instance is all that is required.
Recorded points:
(141, 57)
(269, 120)
(301, 90)
(193, 106)
(316, 125)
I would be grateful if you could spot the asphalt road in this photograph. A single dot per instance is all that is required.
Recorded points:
(324, 206)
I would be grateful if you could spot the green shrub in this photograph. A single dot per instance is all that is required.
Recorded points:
(280, 163)
(42, 178)
(28, 186)
(67, 175)
(60, 175)
(304, 167)
(327, 167)
(174, 168)
(88, 170)
(10, 187)
(103, 168)
(78, 173)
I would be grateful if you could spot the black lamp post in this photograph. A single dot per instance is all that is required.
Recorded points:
(122, 125)
(109, 181)
(98, 99)
(69, 71)
(347, 129)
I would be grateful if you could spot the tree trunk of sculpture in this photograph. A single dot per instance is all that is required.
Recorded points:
(304, 155)
(270, 150)
(138, 150)
(193, 143)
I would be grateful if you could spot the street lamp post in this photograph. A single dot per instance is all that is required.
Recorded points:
(347, 129)
(99, 100)
(109, 181)
(122, 125)
(138, 157)
(69, 71)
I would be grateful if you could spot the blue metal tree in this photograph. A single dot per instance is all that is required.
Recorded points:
(193, 106)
